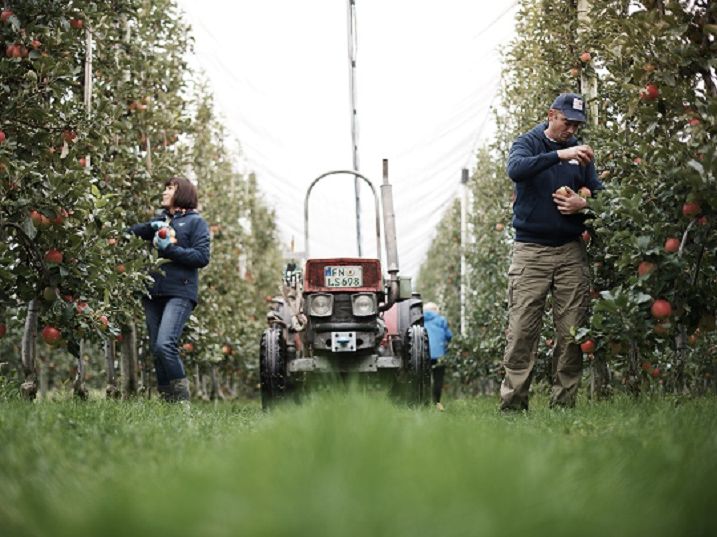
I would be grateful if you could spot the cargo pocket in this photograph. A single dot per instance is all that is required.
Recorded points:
(514, 274)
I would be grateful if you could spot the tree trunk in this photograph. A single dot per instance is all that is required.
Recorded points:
(29, 347)
(214, 392)
(44, 376)
(111, 391)
(681, 355)
(78, 386)
(632, 380)
(128, 364)
(599, 378)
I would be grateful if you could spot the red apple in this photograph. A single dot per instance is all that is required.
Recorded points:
(51, 335)
(60, 217)
(691, 208)
(585, 57)
(5, 15)
(672, 245)
(645, 268)
(39, 219)
(649, 92)
(53, 255)
(588, 346)
(661, 309)
(14, 51)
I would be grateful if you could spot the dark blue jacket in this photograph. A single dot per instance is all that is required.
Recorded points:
(438, 333)
(534, 167)
(187, 255)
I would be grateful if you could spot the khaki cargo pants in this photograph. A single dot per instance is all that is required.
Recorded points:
(535, 271)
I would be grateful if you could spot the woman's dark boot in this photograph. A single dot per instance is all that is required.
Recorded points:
(180, 389)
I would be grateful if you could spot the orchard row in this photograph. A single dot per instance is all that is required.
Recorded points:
(98, 111)
(646, 69)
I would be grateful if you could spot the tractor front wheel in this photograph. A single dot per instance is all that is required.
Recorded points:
(272, 367)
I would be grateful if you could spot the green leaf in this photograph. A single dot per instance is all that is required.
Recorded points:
(29, 228)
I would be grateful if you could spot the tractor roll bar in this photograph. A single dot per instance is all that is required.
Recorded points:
(306, 209)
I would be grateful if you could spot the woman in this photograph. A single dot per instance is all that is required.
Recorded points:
(181, 236)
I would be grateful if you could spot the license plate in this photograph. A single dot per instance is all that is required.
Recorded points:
(343, 276)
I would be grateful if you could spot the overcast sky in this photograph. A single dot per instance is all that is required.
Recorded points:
(427, 73)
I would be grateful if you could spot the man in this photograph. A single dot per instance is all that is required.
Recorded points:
(439, 335)
(548, 167)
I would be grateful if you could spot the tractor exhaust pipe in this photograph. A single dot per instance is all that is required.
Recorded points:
(389, 227)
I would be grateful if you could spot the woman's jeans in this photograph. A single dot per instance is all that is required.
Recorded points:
(166, 317)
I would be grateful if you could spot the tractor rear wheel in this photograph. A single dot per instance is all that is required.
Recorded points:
(417, 366)
(272, 367)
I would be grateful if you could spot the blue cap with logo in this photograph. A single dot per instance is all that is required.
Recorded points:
(571, 105)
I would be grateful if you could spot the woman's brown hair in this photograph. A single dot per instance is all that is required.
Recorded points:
(185, 197)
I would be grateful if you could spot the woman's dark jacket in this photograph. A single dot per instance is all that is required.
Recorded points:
(186, 256)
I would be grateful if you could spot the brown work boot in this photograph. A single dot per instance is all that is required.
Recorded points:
(179, 389)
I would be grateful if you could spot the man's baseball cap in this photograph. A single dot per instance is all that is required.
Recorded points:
(571, 105)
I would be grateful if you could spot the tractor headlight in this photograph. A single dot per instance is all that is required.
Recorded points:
(321, 305)
(363, 304)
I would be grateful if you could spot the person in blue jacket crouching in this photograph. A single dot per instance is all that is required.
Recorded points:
(181, 236)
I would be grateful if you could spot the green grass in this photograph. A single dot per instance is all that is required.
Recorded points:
(356, 464)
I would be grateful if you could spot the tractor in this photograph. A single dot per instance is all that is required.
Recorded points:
(344, 316)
